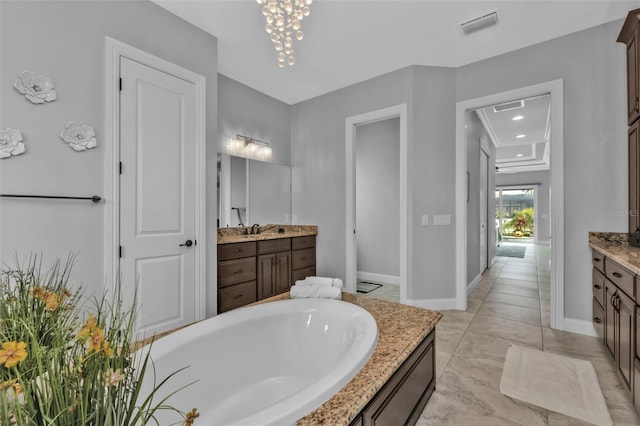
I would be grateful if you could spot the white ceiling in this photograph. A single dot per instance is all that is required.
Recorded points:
(348, 41)
(528, 152)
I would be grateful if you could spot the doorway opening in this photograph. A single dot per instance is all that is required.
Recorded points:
(516, 215)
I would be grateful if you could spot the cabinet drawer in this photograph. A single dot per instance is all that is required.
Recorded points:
(301, 274)
(404, 394)
(598, 318)
(274, 246)
(236, 271)
(638, 333)
(303, 242)
(622, 278)
(236, 250)
(636, 385)
(597, 259)
(303, 258)
(598, 286)
(236, 295)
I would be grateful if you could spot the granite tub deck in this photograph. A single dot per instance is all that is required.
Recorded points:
(615, 245)
(400, 329)
(267, 232)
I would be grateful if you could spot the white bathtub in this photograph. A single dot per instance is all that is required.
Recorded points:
(269, 364)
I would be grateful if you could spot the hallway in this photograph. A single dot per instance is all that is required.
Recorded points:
(510, 304)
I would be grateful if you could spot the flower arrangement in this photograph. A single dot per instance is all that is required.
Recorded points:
(60, 365)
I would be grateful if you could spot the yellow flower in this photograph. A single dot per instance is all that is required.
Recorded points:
(38, 293)
(191, 417)
(51, 300)
(113, 377)
(88, 328)
(12, 353)
(106, 348)
(96, 339)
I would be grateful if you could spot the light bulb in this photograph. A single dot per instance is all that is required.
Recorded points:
(281, 56)
(306, 11)
(259, 1)
(269, 19)
(281, 64)
(299, 14)
(309, 2)
(288, 51)
(288, 42)
(295, 24)
(274, 37)
(278, 46)
(290, 60)
(265, 11)
(280, 20)
(269, 28)
(299, 35)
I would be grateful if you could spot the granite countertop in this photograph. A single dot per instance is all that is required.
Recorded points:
(400, 329)
(615, 245)
(267, 232)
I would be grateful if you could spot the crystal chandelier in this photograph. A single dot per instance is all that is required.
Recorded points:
(283, 24)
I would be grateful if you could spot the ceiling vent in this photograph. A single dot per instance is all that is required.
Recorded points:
(508, 106)
(478, 23)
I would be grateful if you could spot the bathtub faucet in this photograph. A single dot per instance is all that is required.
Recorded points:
(255, 229)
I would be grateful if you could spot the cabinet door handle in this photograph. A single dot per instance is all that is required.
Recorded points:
(239, 271)
(597, 286)
(637, 103)
(596, 259)
(597, 320)
(238, 296)
(613, 299)
(617, 274)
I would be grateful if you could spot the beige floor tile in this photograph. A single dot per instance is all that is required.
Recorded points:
(516, 313)
(515, 331)
(501, 280)
(512, 289)
(513, 299)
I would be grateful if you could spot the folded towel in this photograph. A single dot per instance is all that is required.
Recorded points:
(320, 282)
(307, 291)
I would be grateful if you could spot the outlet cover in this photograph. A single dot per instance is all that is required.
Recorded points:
(442, 219)
(425, 219)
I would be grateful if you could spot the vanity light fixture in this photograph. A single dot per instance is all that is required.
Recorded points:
(520, 136)
(518, 117)
(283, 24)
(244, 146)
(518, 155)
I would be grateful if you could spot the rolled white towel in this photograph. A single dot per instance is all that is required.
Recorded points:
(306, 291)
(319, 281)
(337, 282)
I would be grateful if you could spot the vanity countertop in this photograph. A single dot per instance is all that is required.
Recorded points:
(400, 329)
(615, 245)
(267, 232)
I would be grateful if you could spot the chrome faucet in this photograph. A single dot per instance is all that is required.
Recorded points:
(255, 229)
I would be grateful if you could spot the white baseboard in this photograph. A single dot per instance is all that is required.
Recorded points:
(381, 278)
(474, 282)
(573, 325)
(434, 304)
(544, 242)
(493, 261)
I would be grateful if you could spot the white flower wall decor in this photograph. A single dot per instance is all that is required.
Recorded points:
(80, 137)
(10, 142)
(36, 88)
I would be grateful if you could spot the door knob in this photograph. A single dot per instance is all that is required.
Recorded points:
(187, 243)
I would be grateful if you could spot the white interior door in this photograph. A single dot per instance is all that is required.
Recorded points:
(157, 197)
(484, 189)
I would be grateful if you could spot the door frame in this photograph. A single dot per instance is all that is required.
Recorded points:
(555, 89)
(487, 264)
(396, 111)
(114, 50)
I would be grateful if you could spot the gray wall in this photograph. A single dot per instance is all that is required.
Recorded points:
(318, 170)
(246, 111)
(543, 177)
(65, 40)
(474, 131)
(378, 197)
(592, 65)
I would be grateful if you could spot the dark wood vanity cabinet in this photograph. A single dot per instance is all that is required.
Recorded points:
(255, 270)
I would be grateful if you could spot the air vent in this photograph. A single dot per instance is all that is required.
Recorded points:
(479, 23)
(508, 106)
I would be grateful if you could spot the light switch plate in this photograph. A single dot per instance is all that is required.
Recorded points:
(442, 219)
(425, 219)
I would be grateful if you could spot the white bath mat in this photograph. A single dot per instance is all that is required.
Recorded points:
(558, 383)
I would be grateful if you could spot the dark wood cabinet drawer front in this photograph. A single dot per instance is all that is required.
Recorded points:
(236, 250)
(638, 332)
(406, 393)
(274, 246)
(236, 295)
(301, 274)
(597, 259)
(303, 242)
(232, 272)
(636, 385)
(598, 286)
(598, 318)
(621, 277)
(303, 258)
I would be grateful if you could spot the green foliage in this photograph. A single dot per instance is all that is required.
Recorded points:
(522, 221)
(62, 366)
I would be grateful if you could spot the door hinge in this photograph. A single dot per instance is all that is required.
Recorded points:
(120, 251)
(195, 242)
(120, 167)
(120, 83)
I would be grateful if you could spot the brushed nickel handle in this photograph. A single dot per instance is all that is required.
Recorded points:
(597, 320)
(238, 296)
(617, 274)
(597, 286)
(595, 259)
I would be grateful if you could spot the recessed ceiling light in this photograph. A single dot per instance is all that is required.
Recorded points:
(520, 136)
(518, 155)
(518, 117)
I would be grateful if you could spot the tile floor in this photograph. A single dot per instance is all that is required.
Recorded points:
(510, 304)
